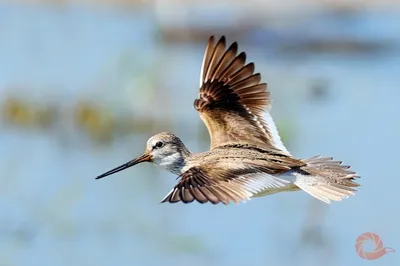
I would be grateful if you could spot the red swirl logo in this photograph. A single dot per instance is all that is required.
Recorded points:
(379, 250)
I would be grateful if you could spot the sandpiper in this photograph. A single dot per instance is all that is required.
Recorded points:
(247, 158)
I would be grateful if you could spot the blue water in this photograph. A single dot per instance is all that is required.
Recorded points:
(55, 213)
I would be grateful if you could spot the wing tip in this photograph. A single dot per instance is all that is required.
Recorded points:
(211, 38)
(222, 39)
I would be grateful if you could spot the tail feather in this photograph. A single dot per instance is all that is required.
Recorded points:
(326, 179)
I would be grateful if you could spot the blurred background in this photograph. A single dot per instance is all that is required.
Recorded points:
(84, 84)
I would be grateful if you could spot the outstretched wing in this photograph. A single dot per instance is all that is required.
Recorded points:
(217, 186)
(233, 103)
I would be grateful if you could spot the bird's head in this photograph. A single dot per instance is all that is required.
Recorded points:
(164, 149)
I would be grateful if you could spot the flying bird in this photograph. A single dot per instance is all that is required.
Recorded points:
(247, 158)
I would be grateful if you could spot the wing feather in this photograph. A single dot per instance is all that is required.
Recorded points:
(207, 58)
(214, 186)
(226, 59)
(233, 103)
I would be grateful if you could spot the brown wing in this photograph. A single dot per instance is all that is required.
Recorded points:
(233, 103)
(215, 185)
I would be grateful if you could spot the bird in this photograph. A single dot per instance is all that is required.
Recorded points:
(247, 158)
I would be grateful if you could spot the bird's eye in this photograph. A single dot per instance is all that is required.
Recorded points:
(159, 144)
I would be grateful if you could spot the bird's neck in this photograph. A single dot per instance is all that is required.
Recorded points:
(176, 162)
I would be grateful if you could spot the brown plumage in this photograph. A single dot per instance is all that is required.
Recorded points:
(240, 172)
(247, 158)
(231, 94)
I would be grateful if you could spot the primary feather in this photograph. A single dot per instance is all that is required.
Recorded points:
(233, 103)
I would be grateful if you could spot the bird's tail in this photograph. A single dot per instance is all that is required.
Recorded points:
(326, 179)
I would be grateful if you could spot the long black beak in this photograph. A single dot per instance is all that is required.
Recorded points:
(143, 158)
